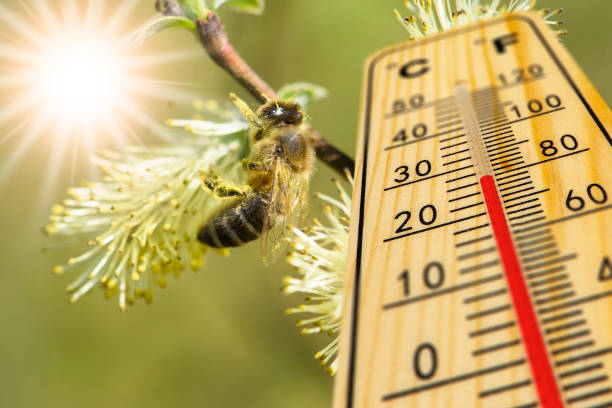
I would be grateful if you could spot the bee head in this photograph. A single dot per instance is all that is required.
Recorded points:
(280, 113)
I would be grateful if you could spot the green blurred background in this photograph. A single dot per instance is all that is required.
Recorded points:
(219, 337)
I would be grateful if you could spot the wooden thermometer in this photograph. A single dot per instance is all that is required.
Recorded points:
(481, 240)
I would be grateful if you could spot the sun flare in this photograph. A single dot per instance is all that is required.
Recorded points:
(71, 77)
(80, 79)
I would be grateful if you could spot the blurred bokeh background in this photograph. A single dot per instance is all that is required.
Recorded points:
(218, 337)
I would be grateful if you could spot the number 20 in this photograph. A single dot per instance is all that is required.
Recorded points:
(427, 216)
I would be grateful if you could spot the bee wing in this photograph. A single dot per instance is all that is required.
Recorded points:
(288, 206)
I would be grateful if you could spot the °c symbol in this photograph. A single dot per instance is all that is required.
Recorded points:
(414, 68)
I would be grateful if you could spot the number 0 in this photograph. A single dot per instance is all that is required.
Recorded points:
(433, 275)
(428, 219)
(599, 198)
(420, 356)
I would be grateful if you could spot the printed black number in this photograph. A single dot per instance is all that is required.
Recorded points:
(605, 270)
(427, 215)
(419, 130)
(405, 278)
(423, 168)
(398, 106)
(403, 227)
(433, 275)
(553, 101)
(574, 203)
(422, 368)
(403, 174)
(400, 136)
(568, 142)
(536, 106)
(535, 70)
(416, 101)
(520, 75)
(596, 193)
(548, 148)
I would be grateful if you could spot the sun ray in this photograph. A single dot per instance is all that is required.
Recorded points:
(173, 84)
(70, 12)
(95, 9)
(14, 79)
(15, 54)
(73, 157)
(18, 24)
(51, 22)
(16, 129)
(142, 61)
(148, 88)
(123, 126)
(89, 147)
(143, 119)
(32, 132)
(23, 103)
(56, 155)
(120, 15)
(30, 12)
(116, 133)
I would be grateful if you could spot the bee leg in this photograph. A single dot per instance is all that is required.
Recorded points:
(222, 189)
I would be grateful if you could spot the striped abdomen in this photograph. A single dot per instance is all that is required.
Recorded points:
(237, 224)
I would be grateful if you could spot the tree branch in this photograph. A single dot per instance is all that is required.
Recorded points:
(217, 45)
(214, 40)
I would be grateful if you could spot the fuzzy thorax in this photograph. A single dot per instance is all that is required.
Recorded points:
(289, 144)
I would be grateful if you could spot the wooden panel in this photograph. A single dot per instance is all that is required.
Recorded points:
(481, 230)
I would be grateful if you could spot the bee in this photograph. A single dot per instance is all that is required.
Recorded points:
(276, 193)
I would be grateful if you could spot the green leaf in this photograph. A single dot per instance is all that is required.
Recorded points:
(194, 9)
(304, 93)
(247, 6)
(160, 25)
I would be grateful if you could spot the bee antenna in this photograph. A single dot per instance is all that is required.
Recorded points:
(245, 110)
(266, 97)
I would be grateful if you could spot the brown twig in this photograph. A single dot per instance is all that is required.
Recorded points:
(214, 40)
(216, 43)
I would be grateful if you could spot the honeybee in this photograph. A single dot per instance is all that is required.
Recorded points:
(276, 193)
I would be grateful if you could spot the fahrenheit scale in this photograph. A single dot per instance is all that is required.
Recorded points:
(481, 245)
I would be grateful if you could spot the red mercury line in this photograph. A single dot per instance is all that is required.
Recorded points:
(541, 368)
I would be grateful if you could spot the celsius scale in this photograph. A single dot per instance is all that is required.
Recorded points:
(481, 239)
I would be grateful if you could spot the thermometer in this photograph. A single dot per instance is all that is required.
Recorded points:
(481, 239)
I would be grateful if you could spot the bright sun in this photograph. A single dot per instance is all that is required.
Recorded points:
(80, 79)
(71, 78)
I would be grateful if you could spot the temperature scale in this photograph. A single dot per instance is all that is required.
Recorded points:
(481, 240)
